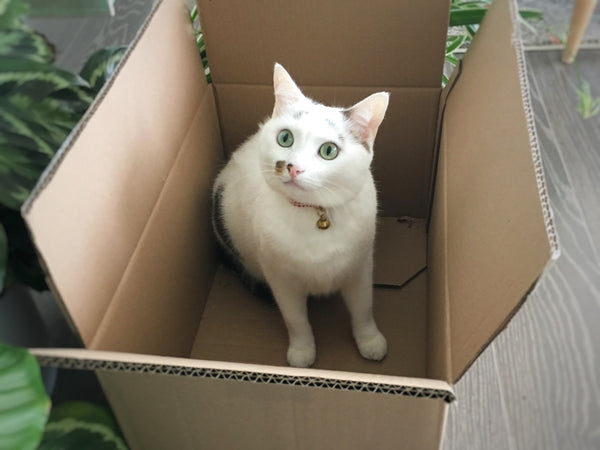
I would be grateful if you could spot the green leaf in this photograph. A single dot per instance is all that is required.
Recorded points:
(12, 13)
(79, 425)
(471, 30)
(194, 13)
(473, 13)
(530, 14)
(444, 80)
(452, 60)
(101, 66)
(34, 79)
(24, 404)
(25, 44)
(3, 257)
(86, 412)
(466, 16)
(588, 105)
(453, 43)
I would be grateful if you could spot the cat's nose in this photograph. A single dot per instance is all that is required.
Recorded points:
(293, 170)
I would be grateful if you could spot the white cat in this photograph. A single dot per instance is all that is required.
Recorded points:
(296, 206)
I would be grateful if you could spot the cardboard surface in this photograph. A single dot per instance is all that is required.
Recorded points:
(239, 327)
(438, 317)
(376, 43)
(164, 401)
(400, 250)
(89, 214)
(158, 304)
(494, 242)
(210, 413)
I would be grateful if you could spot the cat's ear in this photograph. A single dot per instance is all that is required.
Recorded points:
(366, 116)
(286, 91)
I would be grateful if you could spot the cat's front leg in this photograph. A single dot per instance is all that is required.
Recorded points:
(291, 300)
(358, 296)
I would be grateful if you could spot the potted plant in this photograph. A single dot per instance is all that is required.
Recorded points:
(40, 104)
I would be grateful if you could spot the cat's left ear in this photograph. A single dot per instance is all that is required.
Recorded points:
(366, 116)
(286, 91)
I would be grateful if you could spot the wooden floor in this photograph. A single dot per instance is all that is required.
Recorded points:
(538, 384)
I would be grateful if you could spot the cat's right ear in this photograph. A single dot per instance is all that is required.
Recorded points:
(286, 91)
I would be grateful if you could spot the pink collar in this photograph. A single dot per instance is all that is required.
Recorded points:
(302, 205)
(323, 222)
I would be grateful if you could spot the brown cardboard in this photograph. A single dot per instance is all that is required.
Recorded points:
(327, 43)
(93, 207)
(172, 267)
(214, 404)
(495, 244)
(187, 357)
(400, 250)
(255, 332)
(214, 414)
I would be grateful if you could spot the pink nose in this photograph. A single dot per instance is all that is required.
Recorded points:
(293, 170)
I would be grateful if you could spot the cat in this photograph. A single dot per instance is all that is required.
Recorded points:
(296, 207)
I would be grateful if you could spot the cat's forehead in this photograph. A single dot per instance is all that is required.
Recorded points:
(319, 115)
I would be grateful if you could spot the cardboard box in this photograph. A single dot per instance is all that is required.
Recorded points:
(187, 358)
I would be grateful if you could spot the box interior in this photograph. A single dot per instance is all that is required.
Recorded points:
(130, 251)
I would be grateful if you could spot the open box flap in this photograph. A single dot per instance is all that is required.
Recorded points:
(91, 215)
(223, 404)
(332, 43)
(491, 223)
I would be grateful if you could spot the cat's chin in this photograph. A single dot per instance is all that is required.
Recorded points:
(293, 185)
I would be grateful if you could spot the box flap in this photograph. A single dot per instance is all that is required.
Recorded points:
(491, 218)
(156, 401)
(375, 43)
(93, 206)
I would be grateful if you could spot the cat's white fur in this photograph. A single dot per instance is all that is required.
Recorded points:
(279, 242)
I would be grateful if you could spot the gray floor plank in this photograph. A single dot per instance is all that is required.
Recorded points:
(477, 420)
(548, 359)
(578, 140)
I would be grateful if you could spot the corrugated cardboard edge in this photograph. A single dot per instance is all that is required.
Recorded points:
(252, 373)
(533, 137)
(539, 174)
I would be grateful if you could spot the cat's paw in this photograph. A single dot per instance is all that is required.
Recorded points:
(301, 356)
(373, 347)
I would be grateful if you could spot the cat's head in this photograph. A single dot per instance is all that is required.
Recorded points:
(316, 154)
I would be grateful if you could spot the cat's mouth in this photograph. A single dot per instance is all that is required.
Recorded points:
(288, 173)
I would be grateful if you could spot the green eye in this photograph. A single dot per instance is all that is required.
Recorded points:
(328, 150)
(285, 138)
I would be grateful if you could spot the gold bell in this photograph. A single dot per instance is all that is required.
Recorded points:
(323, 222)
